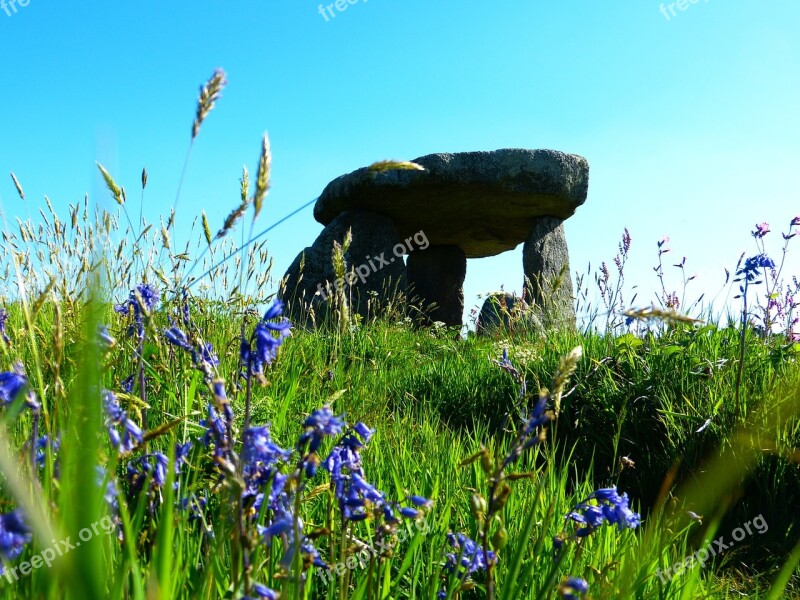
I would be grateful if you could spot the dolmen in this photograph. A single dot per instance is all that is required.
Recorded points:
(438, 211)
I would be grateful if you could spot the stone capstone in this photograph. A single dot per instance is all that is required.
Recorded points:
(483, 202)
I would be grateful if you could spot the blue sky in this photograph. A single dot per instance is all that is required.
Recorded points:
(690, 125)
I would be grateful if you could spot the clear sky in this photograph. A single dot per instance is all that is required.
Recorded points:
(691, 122)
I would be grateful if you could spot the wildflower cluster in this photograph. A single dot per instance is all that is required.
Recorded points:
(573, 588)
(262, 347)
(3, 319)
(152, 468)
(357, 498)
(12, 384)
(14, 536)
(505, 364)
(466, 558)
(46, 445)
(219, 422)
(202, 353)
(124, 433)
(269, 483)
(139, 304)
(604, 506)
(470, 556)
(669, 300)
(779, 299)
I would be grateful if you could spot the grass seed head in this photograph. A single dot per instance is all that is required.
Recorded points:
(206, 228)
(394, 165)
(18, 186)
(262, 179)
(112, 186)
(209, 94)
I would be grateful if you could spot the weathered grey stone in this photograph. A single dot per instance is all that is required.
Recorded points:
(483, 202)
(374, 236)
(436, 275)
(470, 204)
(503, 313)
(548, 281)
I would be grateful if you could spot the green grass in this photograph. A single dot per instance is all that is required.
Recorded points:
(434, 401)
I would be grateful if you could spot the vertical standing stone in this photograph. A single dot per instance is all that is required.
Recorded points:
(437, 275)
(503, 314)
(312, 286)
(548, 281)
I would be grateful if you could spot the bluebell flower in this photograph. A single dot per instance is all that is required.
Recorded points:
(590, 516)
(753, 264)
(153, 467)
(260, 458)
(105, 338)
(194, 505)
(358, 499)
(245, 356)
(178, 338)
(110, 495)
(340, 463)
(606, 494)
(274, 311)
(539, 416)
(366, 490)
(203, 356)
(262, 348)
(530, 435)
(43, 444)
(573, 588)
(131, 435)
(11, 384)
(319, 424)
(261, 592)
(364, 432)
(610, 508)
(3, 320)
(420, 501)
(276, 529)
(507, 366)
(216, 434)
(149, 295)
(467, 557)
(148, 466)
(185, 310)
(126, 385)
(266, 347)
(410, 513)
(14, 536)
(141, 301)
(286, 524)
(218, 389)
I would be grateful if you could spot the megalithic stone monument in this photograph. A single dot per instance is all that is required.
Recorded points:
(465, 205)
